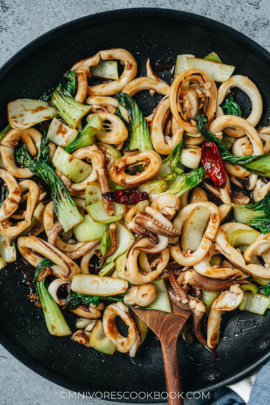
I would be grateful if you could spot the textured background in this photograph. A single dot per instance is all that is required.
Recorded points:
(21, 21)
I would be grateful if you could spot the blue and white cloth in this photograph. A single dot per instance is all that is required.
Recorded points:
(259, 394)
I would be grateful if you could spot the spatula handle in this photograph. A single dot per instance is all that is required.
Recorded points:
(172, 371)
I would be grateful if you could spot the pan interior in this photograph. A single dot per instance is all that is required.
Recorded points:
(160, 35)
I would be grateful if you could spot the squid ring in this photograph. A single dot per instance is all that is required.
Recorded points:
(242, 147)
(167, 205)
(205, 81)
(82, 85)
(260, 190)
(219, 124)
(88, 312)
(264, 134)
(132, 271)
(97, 158)
(32, 200)
(260, 247)
(48, 222)
(114, 133)
(151, 74)
(209, 235)
(73, 251)
(234, 255)
(66, 268)
(150, 158)
(141, 296)
(157, 125)
(194, 140)
(115, 86)
(123, 344)
(246, 85)
(8, 144)
(109, 103)
(11, 203)
(207, 270)
(226, 301)
(86, 259)
(146, 83)
(154, 222)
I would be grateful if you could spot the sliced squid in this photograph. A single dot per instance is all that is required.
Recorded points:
(234, 255)
(90, 153)
(141, 296)
(73, 251)
(227, 121)
(82, 81)
(114, 86)
(8, 144)
(222, 193)
(260, 190)
(167, 205)
(226, 301)
(157, 128)
(65, 268)
(188, 258)
(219, 272)
(246, 85)
(264, 134)
(85, 261)
(114, 133)
(206, 82)
(11, 203)
(123, 344)
(89, 311)
(149, 158)
(146, 83)
(133, 273)
(6, 228)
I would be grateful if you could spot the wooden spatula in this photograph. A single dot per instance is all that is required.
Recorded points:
(167, 328)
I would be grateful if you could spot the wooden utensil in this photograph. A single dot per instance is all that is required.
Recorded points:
(167, 328)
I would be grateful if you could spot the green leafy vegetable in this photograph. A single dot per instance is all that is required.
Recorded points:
(157, 186)
(74, 300)
(266, 289)
(3, 194)
(68, 108)
(5, 131)
(169, 164)
(67, 83)
(70, 84)
(256, 215)
(42, 265)
(255, 164)
(55, 321)
(86, 136)
(64, 206)
(228, 141)
(230, 107)
(139, 134)
(186, 181)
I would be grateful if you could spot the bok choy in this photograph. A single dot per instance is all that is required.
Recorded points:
(255, 164)
(256, 215)
(139, 137)
(64, 206)
(54, 318)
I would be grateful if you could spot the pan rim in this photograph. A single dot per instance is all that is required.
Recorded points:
(82, 22)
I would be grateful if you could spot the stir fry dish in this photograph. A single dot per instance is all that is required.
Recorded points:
(114, 210)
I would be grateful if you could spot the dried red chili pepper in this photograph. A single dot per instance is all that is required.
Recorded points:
(127, 196)
(213, 165)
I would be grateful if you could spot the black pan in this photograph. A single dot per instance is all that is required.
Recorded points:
(159, 34)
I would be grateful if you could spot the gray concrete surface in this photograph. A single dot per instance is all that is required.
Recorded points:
(21, 21)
